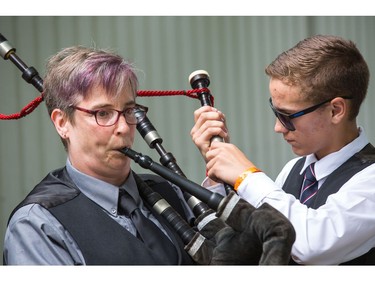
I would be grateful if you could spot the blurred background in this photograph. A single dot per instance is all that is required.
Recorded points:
(234, 50)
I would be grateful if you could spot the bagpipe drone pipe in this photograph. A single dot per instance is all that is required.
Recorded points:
(228, 230)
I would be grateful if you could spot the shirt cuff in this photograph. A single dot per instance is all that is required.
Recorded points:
(255, 188)
(217, 188)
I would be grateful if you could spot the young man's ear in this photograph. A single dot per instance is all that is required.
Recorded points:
(339, 109)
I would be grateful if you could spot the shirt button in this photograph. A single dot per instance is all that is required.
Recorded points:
(113, 211)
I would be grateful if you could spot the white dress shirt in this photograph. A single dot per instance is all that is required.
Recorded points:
(341, 229)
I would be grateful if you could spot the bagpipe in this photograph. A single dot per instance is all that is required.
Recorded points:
(227, 230)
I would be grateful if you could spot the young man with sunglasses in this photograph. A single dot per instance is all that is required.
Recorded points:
(79, 214)
(317, 88)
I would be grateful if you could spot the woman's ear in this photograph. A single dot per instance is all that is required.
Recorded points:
(60, 121)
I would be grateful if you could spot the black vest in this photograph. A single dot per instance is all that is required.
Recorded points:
(101, 240)
(333, 183)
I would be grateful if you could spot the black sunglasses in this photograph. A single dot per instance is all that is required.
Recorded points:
(286, 119)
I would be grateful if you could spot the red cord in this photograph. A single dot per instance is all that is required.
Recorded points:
(149, 93)
(24, 111)
(190, 93)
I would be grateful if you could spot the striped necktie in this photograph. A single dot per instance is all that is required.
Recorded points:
(310, 186)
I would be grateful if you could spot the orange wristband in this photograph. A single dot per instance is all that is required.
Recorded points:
(243, 175)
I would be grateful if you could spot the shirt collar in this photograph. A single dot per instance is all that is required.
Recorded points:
(102, 193)
(331, 162)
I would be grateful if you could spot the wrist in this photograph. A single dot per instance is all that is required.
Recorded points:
(243, 175)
